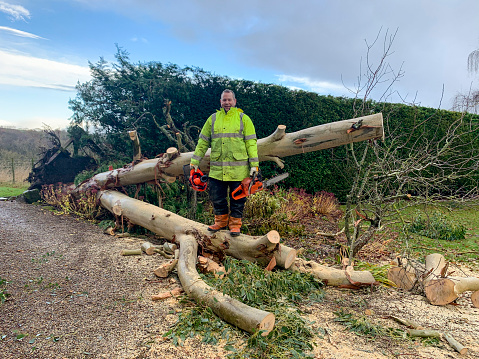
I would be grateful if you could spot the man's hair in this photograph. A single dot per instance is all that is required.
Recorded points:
(228, 91)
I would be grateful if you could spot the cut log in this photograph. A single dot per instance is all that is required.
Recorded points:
(408, 323)
(461, 349)
(131, 252)
(272, 148)
(435, 264)
(445, 290)
(402, 278)
(165, 269)
(229, 309)
(424, 333)
(148, 248)
(169, 225)
(333, 276)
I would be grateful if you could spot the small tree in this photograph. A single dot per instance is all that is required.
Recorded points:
(469, 102)
(417, 162)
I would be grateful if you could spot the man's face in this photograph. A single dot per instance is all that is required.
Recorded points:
(227, 101)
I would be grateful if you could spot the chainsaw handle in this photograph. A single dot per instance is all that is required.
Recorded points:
(238, 193)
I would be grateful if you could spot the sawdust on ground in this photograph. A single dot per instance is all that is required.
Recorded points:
(73, 296)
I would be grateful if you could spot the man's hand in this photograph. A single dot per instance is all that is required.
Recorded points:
(253, 171)
(194, 167)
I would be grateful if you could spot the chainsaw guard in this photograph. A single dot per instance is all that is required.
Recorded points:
(198, 181)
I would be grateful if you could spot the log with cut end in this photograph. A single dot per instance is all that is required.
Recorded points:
(461, 349)
(443, 291)
(333, 276)
(169, 225)
(148, 248)
(434, 268)
(239, 314)
(272, 148)
(402, 278)
(165, 269)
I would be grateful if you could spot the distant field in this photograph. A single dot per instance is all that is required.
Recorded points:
(21, 173)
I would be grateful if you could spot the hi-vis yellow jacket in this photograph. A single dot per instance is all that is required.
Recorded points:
(232, 138)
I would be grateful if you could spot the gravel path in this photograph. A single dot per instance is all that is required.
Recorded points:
(72, 294)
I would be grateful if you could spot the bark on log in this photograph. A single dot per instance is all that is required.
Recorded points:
(131, 252)
(424, 333)
(229, 309)
(169, 225)
(333, 276)
(455, 344)
(136, 145)
(272, 148)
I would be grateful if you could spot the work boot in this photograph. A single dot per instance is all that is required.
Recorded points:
(221, 222)
(235, 226)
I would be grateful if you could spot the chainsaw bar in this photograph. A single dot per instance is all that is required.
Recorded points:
(276, 179)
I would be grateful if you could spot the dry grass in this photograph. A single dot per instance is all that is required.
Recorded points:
(21, 174)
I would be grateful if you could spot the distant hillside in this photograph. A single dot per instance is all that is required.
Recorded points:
(24, 144)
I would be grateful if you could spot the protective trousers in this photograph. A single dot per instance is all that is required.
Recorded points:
(219, 196)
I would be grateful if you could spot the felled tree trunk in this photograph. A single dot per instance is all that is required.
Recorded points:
(227, 308)
(272, 148)
(169, 225)
(334, 277)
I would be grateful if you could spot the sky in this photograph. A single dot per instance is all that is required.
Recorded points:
(314, 45)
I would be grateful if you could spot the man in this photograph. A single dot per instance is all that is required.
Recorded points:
(234, 156)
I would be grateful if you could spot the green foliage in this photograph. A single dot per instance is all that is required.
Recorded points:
(437, 226)
(379, 272)
(3, 291)
(359, 325)
(7, 191)
(278, 292)
(283, 210)
(122, 96)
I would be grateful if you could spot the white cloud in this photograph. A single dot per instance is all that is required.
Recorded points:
(20, 33)
(16, 12)
(306, 83)
(36, 122)
(24, 70)
(139, 39)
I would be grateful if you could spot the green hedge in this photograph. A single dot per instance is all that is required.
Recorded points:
(124, 96)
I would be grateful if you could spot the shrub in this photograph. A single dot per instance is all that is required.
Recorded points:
(285, 210)
(437, 226)
(86, 206)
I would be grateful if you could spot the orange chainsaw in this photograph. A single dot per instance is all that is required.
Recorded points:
(197, 180)
(254, 184)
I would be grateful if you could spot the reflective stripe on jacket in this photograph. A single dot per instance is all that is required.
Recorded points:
(232, 139)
